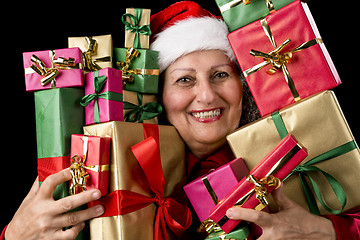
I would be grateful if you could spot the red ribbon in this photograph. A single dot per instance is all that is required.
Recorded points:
(51, 165)
(169, 212)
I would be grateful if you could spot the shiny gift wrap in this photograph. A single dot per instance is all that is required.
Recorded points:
(284, 63)
(128, 177)
(319, 124)
(58, 68)
(264, 177)
(206, 191)
(97, 51)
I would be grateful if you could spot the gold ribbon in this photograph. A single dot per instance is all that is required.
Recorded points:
(125, 67)
(50, 73)
(279, 60)
(260, 186)
(234, 3)
(78, 169)
(90, 64)
(210, 190)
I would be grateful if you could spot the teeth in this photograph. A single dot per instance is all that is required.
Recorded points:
(208, 114)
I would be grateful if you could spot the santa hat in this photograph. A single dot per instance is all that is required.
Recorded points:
(185, 27)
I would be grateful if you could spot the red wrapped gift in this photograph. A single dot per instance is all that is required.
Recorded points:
(263, 179)
(89, 163)
(296, 63)
(206, 191)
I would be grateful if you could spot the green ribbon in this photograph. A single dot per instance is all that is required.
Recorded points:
(139, 113)
(304, 170)
(135, 28)
(99, 83)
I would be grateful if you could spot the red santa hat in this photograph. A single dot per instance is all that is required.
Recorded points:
(185, 27)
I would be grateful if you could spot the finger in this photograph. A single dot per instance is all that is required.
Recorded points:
(34, 189)
(70, 233)
(51, 182)
(66, 204)
(260, 218)
(74, 218)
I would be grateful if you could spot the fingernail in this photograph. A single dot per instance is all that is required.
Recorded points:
(230, 213)
(96, 194)
(99, 209)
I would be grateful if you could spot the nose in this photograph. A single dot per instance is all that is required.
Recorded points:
(206, 92)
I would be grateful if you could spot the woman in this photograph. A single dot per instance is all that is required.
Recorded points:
(204, 99)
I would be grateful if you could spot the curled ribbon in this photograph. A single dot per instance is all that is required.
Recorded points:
(279, 60)
(134, 26)
(50, 73)
(131, 54)
(260, 186)
(90, 64)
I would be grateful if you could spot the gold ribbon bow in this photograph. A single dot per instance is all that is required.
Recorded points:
(50, 73)
(90, 64)
(277, 59)
(260, 187)
(234, 3)
(131, 54)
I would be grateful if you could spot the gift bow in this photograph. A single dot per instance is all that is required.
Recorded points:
(135, 28)
(50, 73)
(279, 60)
(131, 54)
(260, 186)
(90, 64)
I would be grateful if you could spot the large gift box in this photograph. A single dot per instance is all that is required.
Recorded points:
(147, 171)
(238, 13)
(206, 191)
(53, 68)
(140, 69)
(90, 163)
(283, 63)
(97, 51)
(137, 27)
(103, 100)
(319, 124)
(252, 191)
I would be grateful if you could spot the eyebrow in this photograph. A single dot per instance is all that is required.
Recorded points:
(193, 70)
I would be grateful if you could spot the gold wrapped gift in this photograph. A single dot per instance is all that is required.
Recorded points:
(126, 174)
(319, 124)
(97, 51)
(137, 28)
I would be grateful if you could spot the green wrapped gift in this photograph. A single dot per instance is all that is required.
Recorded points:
(58, 115)
(238, 234)
(140, 69)
(238, 13)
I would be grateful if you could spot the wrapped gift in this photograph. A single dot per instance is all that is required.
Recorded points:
(90, 163)
(103, 96)
(140, 69)
(58, 68)
(58, 115)
(206, 191)
(238, 13)
(319, 124)
(142, 108)
(137, 27)
(241, 233)
(252, 191)
(97, 51)
(295, 61)
(141, 194)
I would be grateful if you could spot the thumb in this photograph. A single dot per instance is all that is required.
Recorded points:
(281, 199)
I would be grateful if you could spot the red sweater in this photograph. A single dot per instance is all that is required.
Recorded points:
(347, 224)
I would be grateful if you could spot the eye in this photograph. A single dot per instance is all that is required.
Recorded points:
(220, 76)
(185, 81)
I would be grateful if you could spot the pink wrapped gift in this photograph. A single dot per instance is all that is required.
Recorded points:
(288, 59)
(206, 191)
(90, 159)
(53, 68)
(263, 179)
(103, 96)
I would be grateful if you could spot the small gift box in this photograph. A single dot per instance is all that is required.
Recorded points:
(238, 13)
(103, 100)
(90, 159)
(295, 61)
(58, 68)
(319, 124)
(205, 192)
(242, 233)
(140, 69)
(58, 115)
(252, 191)
(97, 51)
(137, 27)
(147, 171)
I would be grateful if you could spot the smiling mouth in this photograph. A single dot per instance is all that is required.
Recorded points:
(206, 114)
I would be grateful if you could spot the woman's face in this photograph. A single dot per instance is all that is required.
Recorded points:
(202, 97)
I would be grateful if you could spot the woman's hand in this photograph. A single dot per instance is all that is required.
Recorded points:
(41, 217)
(291, 222)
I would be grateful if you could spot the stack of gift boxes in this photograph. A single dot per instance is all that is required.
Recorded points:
(96, 113)
(302, 139)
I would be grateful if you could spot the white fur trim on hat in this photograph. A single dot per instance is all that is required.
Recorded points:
(189, 35)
